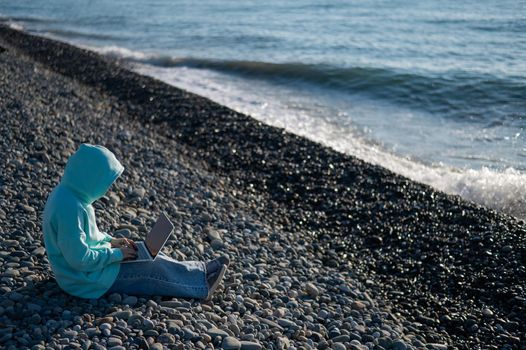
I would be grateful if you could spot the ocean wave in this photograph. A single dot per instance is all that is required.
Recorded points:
(450, 95)
(502, 190)
(29, 19)
(74, 34)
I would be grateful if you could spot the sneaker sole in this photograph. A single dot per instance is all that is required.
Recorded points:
(214, 286)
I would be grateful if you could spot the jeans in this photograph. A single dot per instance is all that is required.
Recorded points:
(164, 277)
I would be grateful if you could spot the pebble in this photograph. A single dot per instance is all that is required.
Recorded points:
(312, 290)
(217, 244)
(230, 343)
(102, 320)
(358, 305)
(105, 326)
(39, 252)
(166, 338)
(398, 345)
(26, 208)
(71, 334)
(130, 300)
(115, 298)
(338, 346)
(216, 332)
(344, 338)
(112, 341)
(90, 332)
(148, 324)
(436, 346)
(286, 323)
(487, 312)
(248, 345)
(124, 314)
(138, 192)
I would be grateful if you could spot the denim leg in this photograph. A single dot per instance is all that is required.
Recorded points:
(164, 277)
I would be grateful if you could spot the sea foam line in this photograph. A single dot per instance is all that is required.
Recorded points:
(500, 190)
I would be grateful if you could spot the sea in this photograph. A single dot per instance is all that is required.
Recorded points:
(432, 90)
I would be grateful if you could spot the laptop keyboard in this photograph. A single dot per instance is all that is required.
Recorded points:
(142, 254)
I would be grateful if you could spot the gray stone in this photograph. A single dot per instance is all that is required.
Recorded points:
(507, 249)
(105, 326)
(323, 314)
(143, 344)
(71, 334)
(338, 346)
(166, 338)
(286, 323)
(35, 319)
(487, 312)
(357, 305)
(170, 303)
(156, 346)
(312, 290)
(216, 332)
(90, 332)
(436, 346)
(213, 234)
(148, 324)
(123, 233)
(11, 273)
(123, 315)
(138, 192)
(26, 208)
(398, 345)
(86, 344)
(130, 300)
(115, 298)
(33, 307)
(188, 333)
(113, 341)
(217, 244)
(39, 252)
(11, 243)
(248, 345)
(344, 338)
(231, 343)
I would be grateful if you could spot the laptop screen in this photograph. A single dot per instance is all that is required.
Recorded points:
(158, 235)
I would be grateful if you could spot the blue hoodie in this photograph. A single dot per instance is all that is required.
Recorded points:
(80, 255)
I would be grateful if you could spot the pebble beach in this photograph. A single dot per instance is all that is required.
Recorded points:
(327, 251)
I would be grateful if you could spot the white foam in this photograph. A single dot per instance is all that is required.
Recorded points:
(14, 25)
(119, 52)
(500, 190)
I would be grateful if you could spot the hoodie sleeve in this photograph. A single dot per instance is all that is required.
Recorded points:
(71, 240)
(107, 237)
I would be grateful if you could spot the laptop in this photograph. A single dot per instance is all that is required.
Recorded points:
(148, 249)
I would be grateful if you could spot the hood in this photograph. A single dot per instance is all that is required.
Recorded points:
(91, 171)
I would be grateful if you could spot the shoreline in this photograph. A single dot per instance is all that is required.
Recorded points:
(435, 259)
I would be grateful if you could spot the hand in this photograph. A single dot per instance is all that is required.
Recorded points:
(123, 243)
(128, 253)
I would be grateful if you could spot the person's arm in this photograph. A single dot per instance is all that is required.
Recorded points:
(71, 240)
(107, 237)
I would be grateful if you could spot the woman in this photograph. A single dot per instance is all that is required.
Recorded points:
(86, 262)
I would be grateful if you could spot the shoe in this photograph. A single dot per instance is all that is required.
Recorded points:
(214, 279)
(215, 264)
